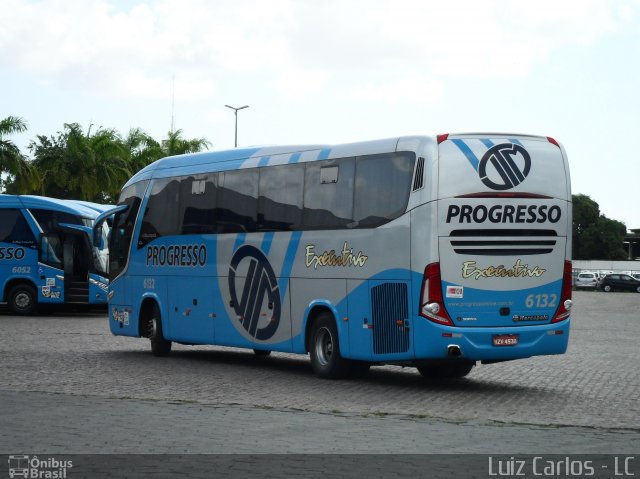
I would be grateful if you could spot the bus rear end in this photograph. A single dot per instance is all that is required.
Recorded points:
(501, 289)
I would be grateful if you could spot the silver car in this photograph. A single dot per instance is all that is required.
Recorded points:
(586, 280)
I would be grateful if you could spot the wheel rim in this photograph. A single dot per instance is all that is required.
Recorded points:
(607, 288)
(324, 346)
(23, 300)
(152, 328)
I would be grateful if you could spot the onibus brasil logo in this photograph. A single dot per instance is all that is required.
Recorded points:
(35, 467)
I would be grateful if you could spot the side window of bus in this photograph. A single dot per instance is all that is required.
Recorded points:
(237, 201)
(328, 195)
(161, 212)
(14, 228)
(382, 187)
(48, 220)
(198, 204)
(280, 201)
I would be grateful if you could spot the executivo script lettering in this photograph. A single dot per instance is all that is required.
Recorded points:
(329, 258)
(519, 270)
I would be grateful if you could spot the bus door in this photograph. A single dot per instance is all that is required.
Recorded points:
(76, 256)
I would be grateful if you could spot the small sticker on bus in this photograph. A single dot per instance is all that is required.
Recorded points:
(455, 292)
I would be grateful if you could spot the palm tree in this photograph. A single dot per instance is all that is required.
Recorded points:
(12, 162)
(83, 166)
(176, 145)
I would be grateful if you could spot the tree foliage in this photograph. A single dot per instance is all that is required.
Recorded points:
(90, 166)
(13, 163)
(594, 235)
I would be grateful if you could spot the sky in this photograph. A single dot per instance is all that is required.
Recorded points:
(337, 71)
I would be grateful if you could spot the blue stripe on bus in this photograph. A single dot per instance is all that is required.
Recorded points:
(324, 154)
(239, 240)
(516, 141)
(467, 152)
(264, 161)
(289, 259)
(266, 243)
(487, 142)
(295, 158)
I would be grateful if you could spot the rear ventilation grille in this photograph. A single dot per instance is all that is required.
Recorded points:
(418, 181)
(505, 242)
(390, 311)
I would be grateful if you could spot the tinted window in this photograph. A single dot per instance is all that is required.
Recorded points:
(14, 228)
(382, 188)
(161, 211)
(280, 202)
(198, 204)
(237, 201)
(123, 226)
(328, 195)
(49, 220)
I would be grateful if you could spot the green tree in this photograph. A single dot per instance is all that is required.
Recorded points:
(76, 165)
(176, 145)
(594, 235)
(12, 162)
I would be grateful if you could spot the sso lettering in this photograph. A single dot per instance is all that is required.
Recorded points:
(177, 255)
(518, 214)
(9, 253)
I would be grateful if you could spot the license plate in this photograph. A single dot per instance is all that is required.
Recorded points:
(505, 340)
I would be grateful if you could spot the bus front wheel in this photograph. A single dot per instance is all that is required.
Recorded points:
(159, 345)
(324, 349)
(22, 299)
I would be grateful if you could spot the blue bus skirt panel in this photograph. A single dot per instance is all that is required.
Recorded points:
(476, 344)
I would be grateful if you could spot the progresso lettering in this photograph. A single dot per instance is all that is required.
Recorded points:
(189, 255)
(503, 214)
(11, 253)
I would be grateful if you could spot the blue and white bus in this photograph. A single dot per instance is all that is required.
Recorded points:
(47, 255)
(434, 252)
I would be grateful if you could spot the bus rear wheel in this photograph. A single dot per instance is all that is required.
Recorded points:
(324, 349)
(446, 371)
(22, 299)
(159, 345)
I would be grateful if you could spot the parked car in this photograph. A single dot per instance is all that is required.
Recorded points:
(586, 280)
(625, 282)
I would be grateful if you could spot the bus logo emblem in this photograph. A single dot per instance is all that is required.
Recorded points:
(260, 285)
(509, 161)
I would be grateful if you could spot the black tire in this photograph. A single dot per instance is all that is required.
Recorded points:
(159, 346)
(606, 288)
(262, 352)
(23, 299)
(446, 371)
(324, 349)
(638, 289)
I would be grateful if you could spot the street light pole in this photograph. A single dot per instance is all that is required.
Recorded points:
(235, 112)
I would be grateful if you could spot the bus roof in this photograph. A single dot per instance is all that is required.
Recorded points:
(262, 156)
(43, 202)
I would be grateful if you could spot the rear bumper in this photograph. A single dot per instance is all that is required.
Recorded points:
(476, 344)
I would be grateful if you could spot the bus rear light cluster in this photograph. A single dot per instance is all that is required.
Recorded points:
(564, 310)
(431, 300)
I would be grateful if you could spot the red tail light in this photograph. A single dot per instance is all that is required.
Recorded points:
(431, 300)
(564, 309)
(442, 137)
(552, 140)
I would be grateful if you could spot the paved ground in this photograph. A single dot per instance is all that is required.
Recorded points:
(68, 386)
